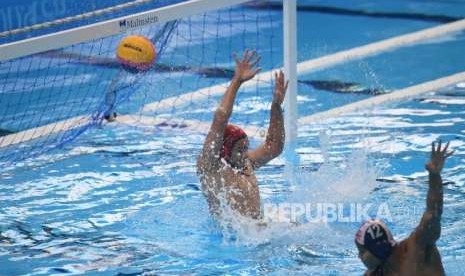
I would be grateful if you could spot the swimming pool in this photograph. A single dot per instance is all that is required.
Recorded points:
(126, 200)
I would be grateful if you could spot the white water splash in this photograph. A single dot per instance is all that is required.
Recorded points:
(348, 180)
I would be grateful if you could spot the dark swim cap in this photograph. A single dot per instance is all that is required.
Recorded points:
(376, 238)
(231, 135)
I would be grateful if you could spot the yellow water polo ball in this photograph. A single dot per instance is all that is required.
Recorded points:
(136, 52)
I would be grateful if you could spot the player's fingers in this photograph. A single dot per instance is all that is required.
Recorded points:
(245, 54)
(449, 154)
(251, 55)
(255, 62)
(446, 147)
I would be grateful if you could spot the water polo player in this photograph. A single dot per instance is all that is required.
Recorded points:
(226, 165)
(418, 254)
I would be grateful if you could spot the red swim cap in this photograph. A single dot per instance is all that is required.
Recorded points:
(231, 135)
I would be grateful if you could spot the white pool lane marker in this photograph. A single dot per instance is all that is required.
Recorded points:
(42, 131)
(396, 95)
(380, 47)
(303, 68)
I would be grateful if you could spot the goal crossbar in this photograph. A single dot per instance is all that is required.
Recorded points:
(111, 27)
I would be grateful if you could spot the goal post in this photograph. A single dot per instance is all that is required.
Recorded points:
(290, 69)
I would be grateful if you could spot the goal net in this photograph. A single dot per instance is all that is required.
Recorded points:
(56, 85)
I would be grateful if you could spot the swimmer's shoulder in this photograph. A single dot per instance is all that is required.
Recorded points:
(402, 251)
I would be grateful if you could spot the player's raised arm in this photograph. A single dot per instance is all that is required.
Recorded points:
(275, 138)
(429, 230)
(245, 70)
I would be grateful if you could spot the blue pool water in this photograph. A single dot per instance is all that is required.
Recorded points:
(125, 200)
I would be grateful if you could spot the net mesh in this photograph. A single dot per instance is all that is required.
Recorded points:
(50, 98)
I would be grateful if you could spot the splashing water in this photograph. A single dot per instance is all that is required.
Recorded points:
(347, 180)
(336, 181)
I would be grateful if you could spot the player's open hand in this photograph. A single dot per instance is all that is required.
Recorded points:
(280, 87)
(246, 66)
(438, 157)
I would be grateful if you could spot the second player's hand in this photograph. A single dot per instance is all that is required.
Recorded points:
(438, 157)
(280, 88)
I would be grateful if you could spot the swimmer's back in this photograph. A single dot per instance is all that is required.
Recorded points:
(241, 191)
